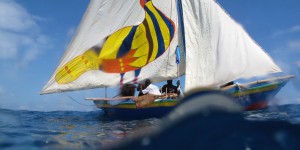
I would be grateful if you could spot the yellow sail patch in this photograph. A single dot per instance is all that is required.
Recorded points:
(76, 67)
(140, 42)
(153, 37)
(113, 43)
(141, 45)
(162, 25)
(140, 62)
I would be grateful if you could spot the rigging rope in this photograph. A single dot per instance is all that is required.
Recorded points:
(76, 100)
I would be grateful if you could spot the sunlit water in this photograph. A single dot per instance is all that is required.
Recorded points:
(90, 130)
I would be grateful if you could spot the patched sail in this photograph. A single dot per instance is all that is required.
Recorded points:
(120, 41)
(218, 49)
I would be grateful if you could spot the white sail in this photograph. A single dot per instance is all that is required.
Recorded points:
(218, 49)
(108, 18)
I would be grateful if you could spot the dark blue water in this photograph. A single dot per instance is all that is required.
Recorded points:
(90, 130)
(63, 129)
(289, 113)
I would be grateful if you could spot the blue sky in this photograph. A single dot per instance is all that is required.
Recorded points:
(35, 33)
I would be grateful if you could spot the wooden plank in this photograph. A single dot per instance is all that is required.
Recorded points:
(108, 99)
(172, 95)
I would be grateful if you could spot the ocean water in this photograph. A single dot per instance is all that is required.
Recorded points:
(91, 130)
(63, 129)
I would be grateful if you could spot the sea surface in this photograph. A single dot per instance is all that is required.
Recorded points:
(90, 130)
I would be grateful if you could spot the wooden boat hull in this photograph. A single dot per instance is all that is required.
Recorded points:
(128, 110)
(255, 95)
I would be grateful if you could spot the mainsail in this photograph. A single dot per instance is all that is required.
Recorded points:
(218, 49)
(122, 41)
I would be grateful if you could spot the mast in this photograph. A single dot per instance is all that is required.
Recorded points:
(181, 35)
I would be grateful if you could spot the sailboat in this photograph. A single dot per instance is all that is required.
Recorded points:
(122, 41)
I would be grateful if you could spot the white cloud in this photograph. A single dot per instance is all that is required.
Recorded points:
(8, 45)
(71, 31)
(14, 17)
(294, 44)
(20, 37)
(290, 30)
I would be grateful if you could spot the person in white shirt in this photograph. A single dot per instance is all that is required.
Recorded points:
(150, 88)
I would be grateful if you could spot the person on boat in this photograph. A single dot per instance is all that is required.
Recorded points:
(150, 88)
(151, 94)
(127, 90)
(140, 88)
(227, 84)
(237, 86)
(169, 88)
(179, 91)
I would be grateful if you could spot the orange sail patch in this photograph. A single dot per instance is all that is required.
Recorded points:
(120, 65)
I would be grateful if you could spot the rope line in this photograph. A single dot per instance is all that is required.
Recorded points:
(70, 97)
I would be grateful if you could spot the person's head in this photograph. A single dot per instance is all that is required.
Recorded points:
(147, 82)
(127, 90)
(169, 82)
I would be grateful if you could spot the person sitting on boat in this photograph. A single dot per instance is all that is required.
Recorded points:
(238, 86)
(227, 84)
(151, 94)
(169, 88)
(150, 88)
(140, 87)
(127, 90)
